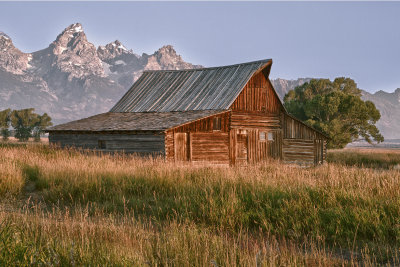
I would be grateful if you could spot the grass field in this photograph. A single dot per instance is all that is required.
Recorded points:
(62, 207)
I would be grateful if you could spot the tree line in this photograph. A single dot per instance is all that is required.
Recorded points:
(25, 122)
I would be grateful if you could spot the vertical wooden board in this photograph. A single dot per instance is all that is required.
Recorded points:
(241, 148)
(169, 146)
(232, 146)
(181, 150)
(205, 124)
(190, 146)
(257, 95)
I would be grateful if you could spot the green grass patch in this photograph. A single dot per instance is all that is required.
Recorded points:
(381, 160)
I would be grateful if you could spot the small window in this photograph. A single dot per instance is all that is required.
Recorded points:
(102, 144)
(217, 124)
(262, 136)
(270, 136)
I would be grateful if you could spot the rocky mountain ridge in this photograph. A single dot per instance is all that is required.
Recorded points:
(71, 78)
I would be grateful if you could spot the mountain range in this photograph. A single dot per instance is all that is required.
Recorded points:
(72, 78)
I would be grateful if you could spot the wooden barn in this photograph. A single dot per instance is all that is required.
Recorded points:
(225, 115)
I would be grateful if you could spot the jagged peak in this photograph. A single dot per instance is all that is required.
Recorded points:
(113, 49)
(118, 45)
(76, 27)
(4, 36)
(167, 49)
(73, 31)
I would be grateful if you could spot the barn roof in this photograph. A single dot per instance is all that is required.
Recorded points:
(134, 121)
(182, 90)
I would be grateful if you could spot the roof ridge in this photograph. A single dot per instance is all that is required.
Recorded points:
(211, 68)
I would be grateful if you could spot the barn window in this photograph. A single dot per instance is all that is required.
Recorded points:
(262, 136)
(102, 144)
(270, 136)
(217, 124)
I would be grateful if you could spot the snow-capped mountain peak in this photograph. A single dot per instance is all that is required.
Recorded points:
(71, 79)
(4, 36)
(76, 27)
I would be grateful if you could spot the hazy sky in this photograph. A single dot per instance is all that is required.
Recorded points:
(360, 40)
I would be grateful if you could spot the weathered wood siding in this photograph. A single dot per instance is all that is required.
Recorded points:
(256, 110)
(302, 144)
(140, 143)
(203, 143)
(253, 120)
(246, 145)
(258, 95)
(300, 151)
(294, 129)
(209, 147)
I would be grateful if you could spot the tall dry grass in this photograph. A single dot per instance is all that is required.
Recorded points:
(119, 209)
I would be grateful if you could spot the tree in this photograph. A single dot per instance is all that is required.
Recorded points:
(5, 118)
(335, 108)
(24, 121)
(43, 122)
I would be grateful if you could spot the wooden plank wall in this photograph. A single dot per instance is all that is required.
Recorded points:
(301, 144)
(258, 95)
(257, 150)
(252, 120)
(129, 143)
(299, 151)
(169, 146)
(210, 147)
(200, 126)
(295, 129)
(260, 150)
(182, 148)
(205, 125)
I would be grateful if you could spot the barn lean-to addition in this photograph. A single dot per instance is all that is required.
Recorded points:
(224, 115)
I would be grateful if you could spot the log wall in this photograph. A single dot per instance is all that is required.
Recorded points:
(149, 143)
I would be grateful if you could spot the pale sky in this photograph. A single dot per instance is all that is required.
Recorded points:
(360, 40)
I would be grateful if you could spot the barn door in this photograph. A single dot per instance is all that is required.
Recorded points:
(181, 147)
(318, 151)
(241, 152)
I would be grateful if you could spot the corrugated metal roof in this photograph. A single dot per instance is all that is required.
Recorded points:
(182, 90)
(134, 121)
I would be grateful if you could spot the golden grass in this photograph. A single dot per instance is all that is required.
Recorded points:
(69, 207)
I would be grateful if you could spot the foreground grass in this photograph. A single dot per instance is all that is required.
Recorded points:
(65, 207)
